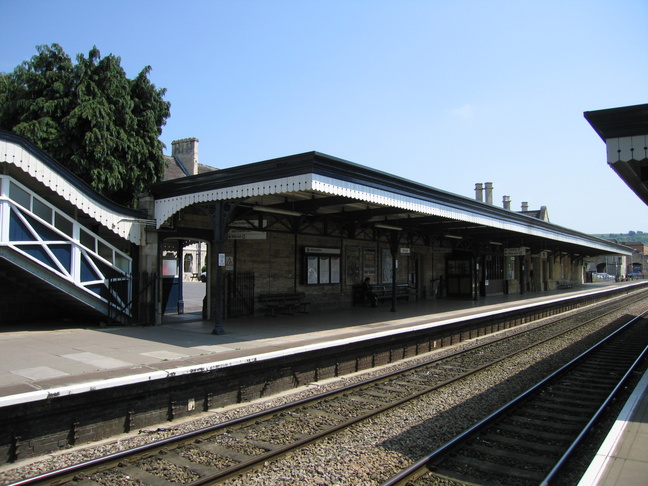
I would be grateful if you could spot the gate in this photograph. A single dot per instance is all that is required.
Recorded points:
(240, 294)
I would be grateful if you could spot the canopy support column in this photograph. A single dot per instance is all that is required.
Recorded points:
(220, 213)
(394, 239)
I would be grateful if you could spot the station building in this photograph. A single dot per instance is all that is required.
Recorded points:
(320, 225)
(310, 223)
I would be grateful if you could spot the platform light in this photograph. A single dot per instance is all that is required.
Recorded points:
(389, 227)
(453, 237)
(497, 243)
(286, 212)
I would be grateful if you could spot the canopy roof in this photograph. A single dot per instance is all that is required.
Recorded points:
(625, 133)
(316, 186)
(46, 176)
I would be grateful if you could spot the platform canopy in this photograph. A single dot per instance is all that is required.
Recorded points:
(23, 161)
(348, 199)
(625, 133)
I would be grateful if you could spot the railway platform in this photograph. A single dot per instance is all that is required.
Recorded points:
(622, 459)
(38, 361)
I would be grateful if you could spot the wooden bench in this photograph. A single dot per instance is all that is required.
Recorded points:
(286, 303)
(384, 292)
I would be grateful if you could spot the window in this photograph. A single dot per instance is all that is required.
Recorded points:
(510, 268)
(188, 263)
(105, 251)
(88, 241)
(63, 224)
(20, 196)
(42, 211)
(322, 266)
(494, 267)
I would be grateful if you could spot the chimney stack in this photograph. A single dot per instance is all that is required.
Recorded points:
(186, 151)
(489, 193)
(506, 202)
(525, 206)
(479, 192)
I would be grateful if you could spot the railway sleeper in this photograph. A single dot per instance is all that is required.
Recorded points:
(452, 477)
(486, 449)
(568, 393)
(559, 406)
(183, 462)
(578, 387)
(552, 417)
(536, 435)
(566, 407)
(137, 473)
(494, 469)
(517, 444)
(384, 394)
(546, 423)
(267, 446)
(218, 450)
(569, 401)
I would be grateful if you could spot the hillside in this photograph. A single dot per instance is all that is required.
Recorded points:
(621, 237)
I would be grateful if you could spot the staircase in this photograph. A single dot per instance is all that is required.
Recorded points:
(49, 258)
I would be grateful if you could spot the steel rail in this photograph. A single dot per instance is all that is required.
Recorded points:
(419, 468)
(277, 453)
(63, 474)
(570, 451)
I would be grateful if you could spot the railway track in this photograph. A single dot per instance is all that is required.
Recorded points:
(529, 440)
(213, 454)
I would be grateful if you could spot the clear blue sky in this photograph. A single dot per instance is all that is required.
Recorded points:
(444, 92)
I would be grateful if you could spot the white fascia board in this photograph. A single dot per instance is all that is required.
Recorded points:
(368, 194)
(167, 207)
(625, 149)
(117, 222)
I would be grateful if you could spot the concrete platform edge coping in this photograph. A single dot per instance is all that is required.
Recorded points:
(80, 388)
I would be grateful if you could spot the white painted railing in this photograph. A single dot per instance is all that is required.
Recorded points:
(46, 236)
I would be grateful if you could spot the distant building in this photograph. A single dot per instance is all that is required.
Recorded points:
(308, 223)
(487, 188)
(636, 262)
(184, 162)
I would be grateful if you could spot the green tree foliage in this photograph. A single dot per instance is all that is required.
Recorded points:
(623, 237)
(90, 117)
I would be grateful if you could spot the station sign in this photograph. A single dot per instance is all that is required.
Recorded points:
(243, 230)
(521, 251)
(324, 251)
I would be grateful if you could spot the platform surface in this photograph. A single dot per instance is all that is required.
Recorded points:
(57, 358)
(622, 459)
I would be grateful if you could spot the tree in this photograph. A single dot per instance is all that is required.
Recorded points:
(90, 117)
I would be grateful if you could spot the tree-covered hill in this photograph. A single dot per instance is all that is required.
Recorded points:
(629, 236)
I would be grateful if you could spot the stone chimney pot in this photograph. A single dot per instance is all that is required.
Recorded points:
(479, 192)
(489, 193)
(186, 150)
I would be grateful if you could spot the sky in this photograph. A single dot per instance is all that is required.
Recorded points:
(447, 93)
